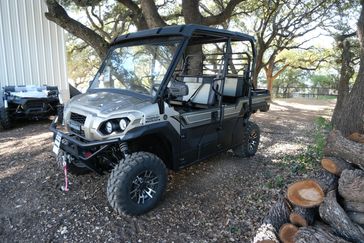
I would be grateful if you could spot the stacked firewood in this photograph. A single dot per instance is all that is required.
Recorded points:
(327, 208)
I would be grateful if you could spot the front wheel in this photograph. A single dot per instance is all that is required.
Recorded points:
(5, 121)
(251, 138)
(137, 183)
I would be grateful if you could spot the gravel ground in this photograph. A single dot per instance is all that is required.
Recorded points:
(222, 199)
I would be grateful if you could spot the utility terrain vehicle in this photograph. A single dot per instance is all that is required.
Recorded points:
(162, 99)
(27, 102)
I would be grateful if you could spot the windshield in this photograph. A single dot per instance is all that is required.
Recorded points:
(138, 68)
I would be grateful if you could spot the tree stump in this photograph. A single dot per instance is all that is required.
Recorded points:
(333, 214)
(276, 217)
(287, 233)
(335, 165)
(306, 193)
(351, 185)
(303, 216)
(353, 206)
(338, 146)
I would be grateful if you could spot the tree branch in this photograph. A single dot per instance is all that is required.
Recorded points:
(224, 15)
(136, 14)
(58, 15)
(151, 14)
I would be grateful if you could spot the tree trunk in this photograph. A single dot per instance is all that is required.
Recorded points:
(346, 72)
(339, 146)
(333, 214)
(303, 217)
(351, 117)
(335, 165)
(276, 217)
(353, 206)
(287, 232)
(319, 233)
(351, 185)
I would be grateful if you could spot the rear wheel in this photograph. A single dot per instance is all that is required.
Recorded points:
(137, 183)
(4, 118)
(60, 113)
(251, 138)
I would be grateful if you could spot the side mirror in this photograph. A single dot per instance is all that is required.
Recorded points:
(178, 89)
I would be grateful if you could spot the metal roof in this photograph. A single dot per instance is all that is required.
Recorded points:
(184, 30)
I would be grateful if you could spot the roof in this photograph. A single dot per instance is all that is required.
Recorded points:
(186, 31)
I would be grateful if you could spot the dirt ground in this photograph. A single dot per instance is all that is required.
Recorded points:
(222, 199)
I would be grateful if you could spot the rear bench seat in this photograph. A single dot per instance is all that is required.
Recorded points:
(202, 95)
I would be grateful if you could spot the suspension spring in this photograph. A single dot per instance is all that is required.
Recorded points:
(124, 148)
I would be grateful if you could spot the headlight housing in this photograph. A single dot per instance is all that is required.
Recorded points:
(109, 127)
(114, 125)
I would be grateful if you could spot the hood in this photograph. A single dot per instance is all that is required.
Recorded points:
(108, 102)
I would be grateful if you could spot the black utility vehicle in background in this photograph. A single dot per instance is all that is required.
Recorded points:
(27, 102)
(163, 99)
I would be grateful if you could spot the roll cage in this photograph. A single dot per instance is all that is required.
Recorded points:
(191, 35)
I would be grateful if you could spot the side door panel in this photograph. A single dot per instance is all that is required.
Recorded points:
(199, 135)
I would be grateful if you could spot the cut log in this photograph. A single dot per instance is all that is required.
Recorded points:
(303, 216)
(306, 193)
(287, 233)
(326, 180)
(338, 146)
(318, 233)
(353, 206)
(335, 165)
(357, 137)
(351, 185)
(333, 214)
(276, 217)
(356, 217)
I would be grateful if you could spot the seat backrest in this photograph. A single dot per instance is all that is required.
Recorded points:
(199, 90)
(233, 87)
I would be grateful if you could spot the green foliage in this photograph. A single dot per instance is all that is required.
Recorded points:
(276, 182)
(310, 157)
(323, 80)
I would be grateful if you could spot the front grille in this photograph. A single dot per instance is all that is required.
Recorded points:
(78, 118)
(79, 132)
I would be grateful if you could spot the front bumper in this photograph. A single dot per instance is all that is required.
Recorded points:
(80, 149)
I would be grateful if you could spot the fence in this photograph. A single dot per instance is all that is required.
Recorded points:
(312, 92)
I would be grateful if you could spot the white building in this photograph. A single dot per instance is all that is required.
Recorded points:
(32, 49)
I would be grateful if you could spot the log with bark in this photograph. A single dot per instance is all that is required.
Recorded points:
(303, 216)
(335, 165)
(334, 215)
(276, 217)
(339, 146)
(319, 233)
(356, 217)
(326, 180)
(353, 206)
(351, 185)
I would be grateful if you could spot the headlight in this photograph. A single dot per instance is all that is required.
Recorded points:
(109, 128)
(123, 124)
(116, 125)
